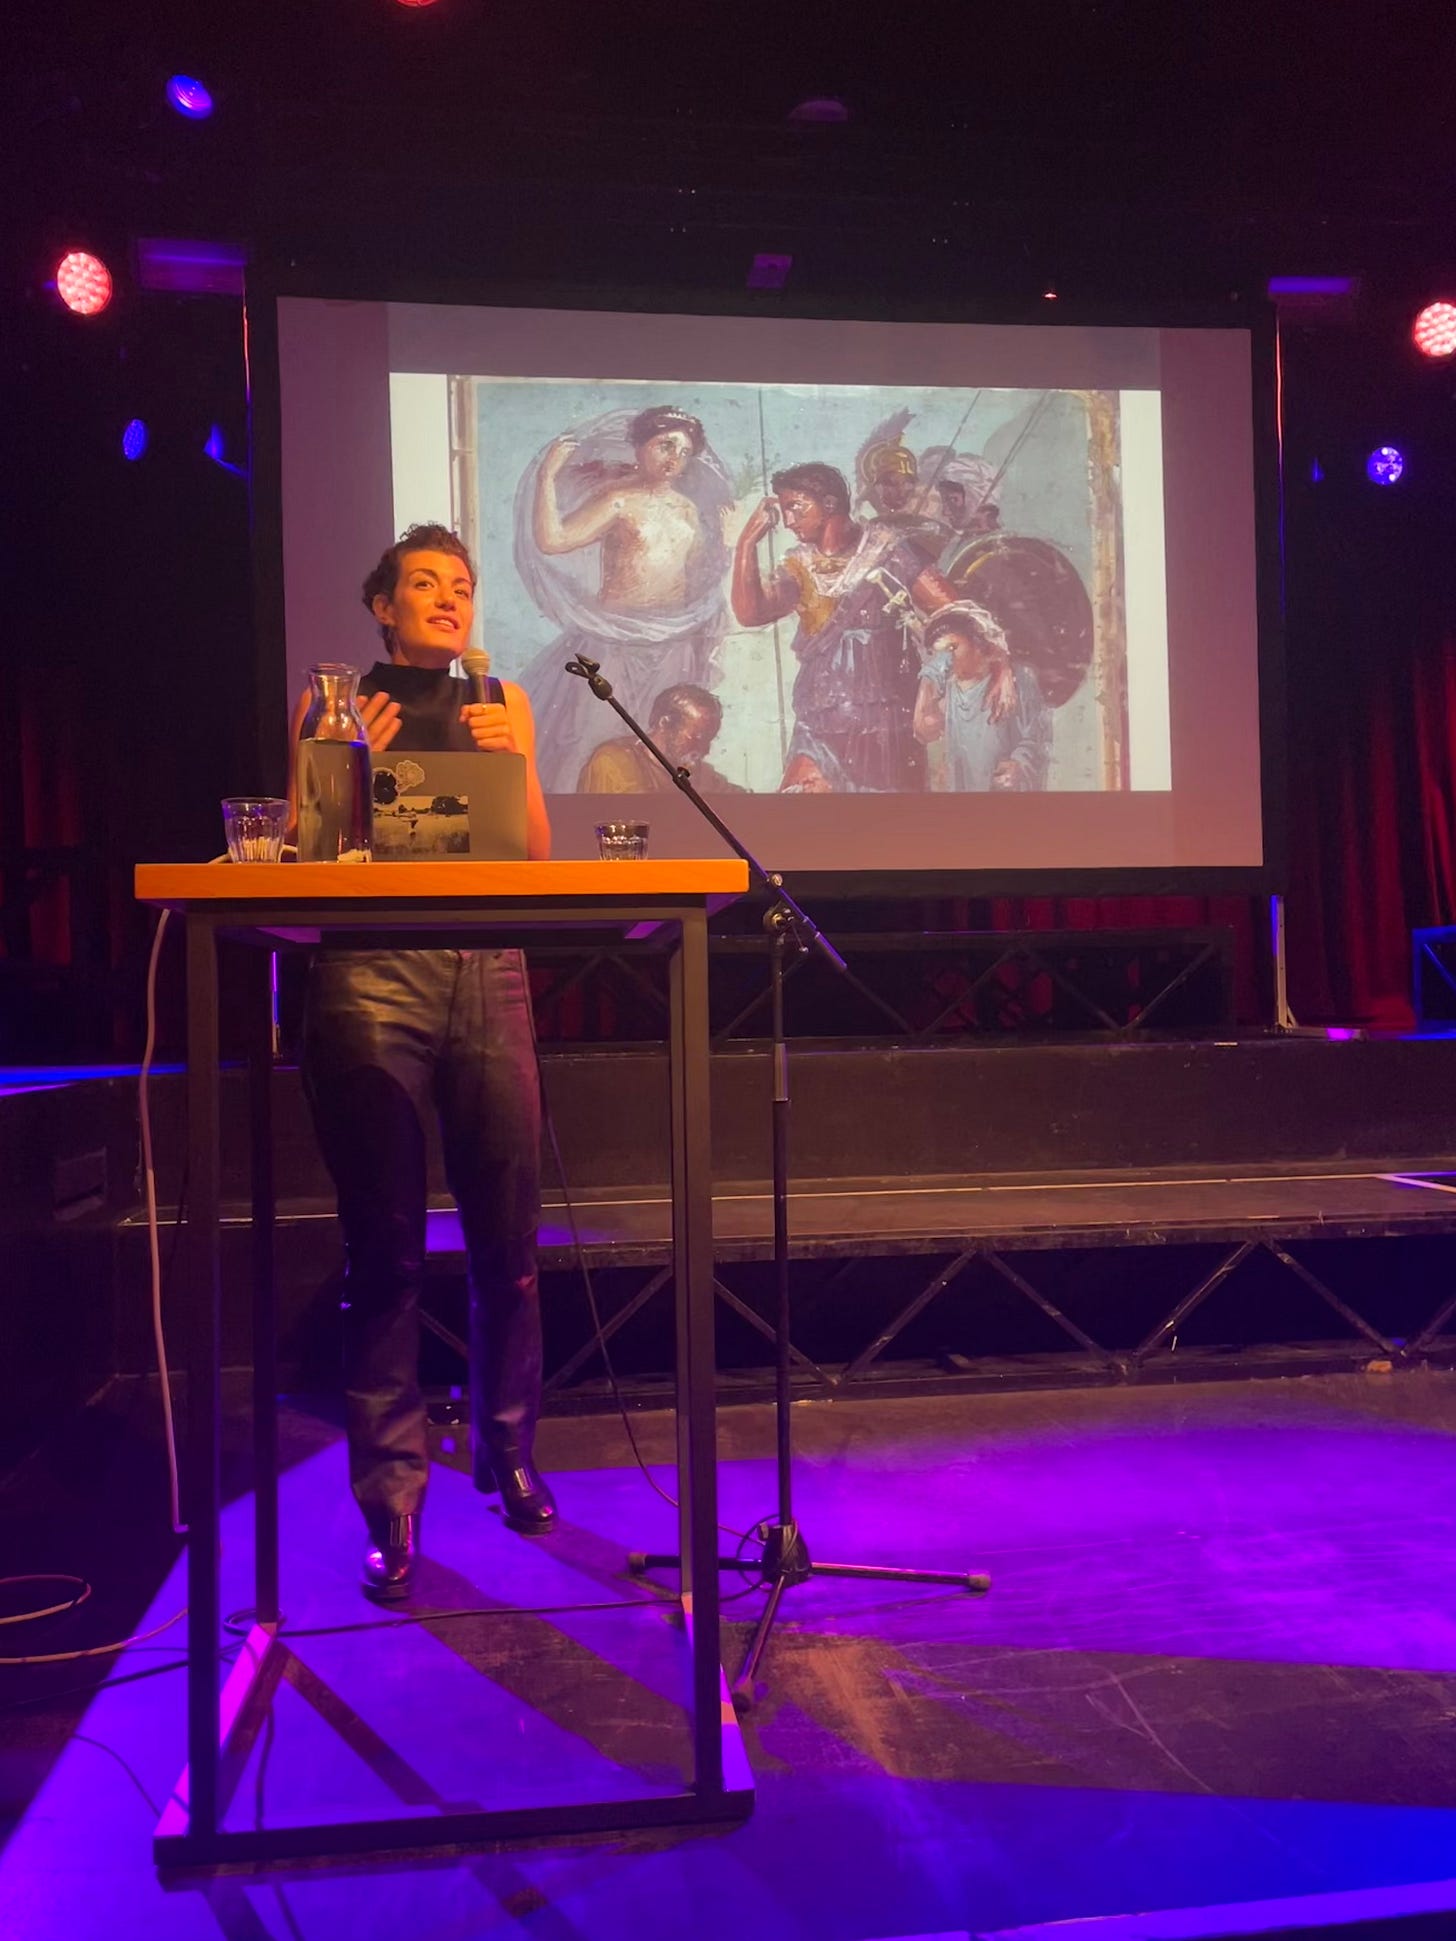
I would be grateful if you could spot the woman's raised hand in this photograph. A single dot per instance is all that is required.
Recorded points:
(380, 716)
(490, 726)
(558, 455)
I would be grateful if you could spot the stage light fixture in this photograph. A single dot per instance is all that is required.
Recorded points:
(1384, 466)
(83, 283)
(1434, 330)
(189, 97)
(134, 440)
(767, 272)
(1316, 301)
(215, 448)
(820, 110)
(190, 267)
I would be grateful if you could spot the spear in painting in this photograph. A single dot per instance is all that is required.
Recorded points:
(773, 568)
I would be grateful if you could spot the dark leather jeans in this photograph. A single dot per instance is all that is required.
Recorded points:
(388, 1037)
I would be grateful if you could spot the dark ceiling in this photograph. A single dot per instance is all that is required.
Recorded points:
(1096, 139)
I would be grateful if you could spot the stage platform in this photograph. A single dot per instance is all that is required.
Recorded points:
(960, 1213)
(844, 1218)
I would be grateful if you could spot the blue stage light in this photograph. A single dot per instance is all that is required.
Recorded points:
(189, 97)
(216, 449)
(134, 439)
(1384, 465)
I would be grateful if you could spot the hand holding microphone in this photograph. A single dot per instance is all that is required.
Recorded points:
(489, 724)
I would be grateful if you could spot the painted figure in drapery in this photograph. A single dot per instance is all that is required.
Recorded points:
(619, 540)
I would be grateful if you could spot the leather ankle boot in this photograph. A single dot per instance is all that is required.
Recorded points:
(389, 1562)
(524, 1492)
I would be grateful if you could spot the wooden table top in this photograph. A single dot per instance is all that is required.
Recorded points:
(718, 878)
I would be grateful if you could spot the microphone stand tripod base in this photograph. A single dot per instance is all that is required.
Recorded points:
(784, 1560)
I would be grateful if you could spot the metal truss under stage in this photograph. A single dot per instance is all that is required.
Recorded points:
(1208, 1229)
(916, 986)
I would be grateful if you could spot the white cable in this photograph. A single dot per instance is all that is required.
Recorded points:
(83, 1591)
(154, 1242)
(98, 1650)
(154, 1238)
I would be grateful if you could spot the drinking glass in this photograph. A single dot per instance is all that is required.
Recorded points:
(621, 842)
(255, 826)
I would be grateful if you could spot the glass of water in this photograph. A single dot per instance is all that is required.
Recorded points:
(255, 826)
(621, 842)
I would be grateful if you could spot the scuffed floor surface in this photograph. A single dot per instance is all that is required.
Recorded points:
(1218, 1664)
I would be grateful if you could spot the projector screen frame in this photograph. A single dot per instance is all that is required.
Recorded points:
(268, 281)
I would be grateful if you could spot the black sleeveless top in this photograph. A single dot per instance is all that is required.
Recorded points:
(430, 700)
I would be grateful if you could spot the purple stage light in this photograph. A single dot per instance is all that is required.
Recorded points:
(134, 439)
(769, 272)
(189, 97)
(1312, 286)
(819, 109)
(191, 267)
(1384, 466)
(1315, 299)
(216, 449)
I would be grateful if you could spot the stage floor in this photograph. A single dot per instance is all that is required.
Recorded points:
(1218, 1664)
(887, 1214)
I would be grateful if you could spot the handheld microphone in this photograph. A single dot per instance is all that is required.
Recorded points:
(476, 663)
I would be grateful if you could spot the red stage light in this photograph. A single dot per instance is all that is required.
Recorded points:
(83, 283)
(417, 3)
(1434, 330)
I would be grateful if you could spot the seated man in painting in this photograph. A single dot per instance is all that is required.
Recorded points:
(684, 722)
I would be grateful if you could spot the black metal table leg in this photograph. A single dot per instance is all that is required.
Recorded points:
(222, 1724)
(202, 1475)
(265, 1292)
(692, 1198)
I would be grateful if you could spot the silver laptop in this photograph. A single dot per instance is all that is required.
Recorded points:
(434, 804)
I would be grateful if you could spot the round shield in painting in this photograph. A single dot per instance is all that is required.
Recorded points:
(1036, 595)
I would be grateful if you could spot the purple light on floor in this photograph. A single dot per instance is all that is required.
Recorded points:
(1385, 465)
(134, 440)
(189, 97)
(1339, 1034)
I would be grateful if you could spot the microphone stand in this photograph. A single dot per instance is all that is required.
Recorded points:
(785, 1559)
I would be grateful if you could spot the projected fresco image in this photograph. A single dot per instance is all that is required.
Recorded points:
(801, 590)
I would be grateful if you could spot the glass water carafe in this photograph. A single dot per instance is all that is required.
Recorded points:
(334, 774)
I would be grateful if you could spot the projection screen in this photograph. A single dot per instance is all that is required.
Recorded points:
(999, 614)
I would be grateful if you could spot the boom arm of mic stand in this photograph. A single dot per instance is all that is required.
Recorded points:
(800, 926)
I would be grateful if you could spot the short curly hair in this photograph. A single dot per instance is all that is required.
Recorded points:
(822, 483)
(415, 539)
